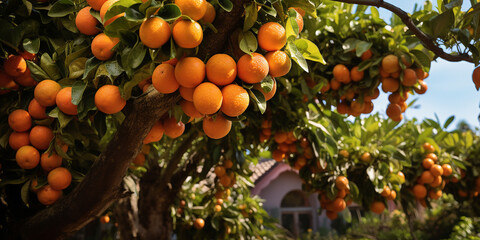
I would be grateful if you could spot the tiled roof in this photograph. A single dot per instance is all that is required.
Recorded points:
(263, 167)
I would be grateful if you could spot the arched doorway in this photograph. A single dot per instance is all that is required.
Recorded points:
(296, 213)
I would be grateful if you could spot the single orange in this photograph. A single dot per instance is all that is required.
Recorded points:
(109, 100)
(41, 136)
(216, 128)
(15, 65)
(207, 98)
(419, 191)
(279, 63)
(235, 100)
(341, 73)
(409, 77)
(195, 9)
(356, 75)
(47, 195)
(390, 64)
(209, 14)
(278, 155)
(163, 79)
(96, 4)
(173, 128)
(154, 32)
(64, 101)
(187, 34)
(27, 157)
(17, 140)
(341, 182)
(390, 85)
(447, 169)
(221, 69)
(377, 207)
(26, 79)
(46, 92)
(102, 46)
(436, 170)
(366, 55)
(252, 69)
(20, 120)
(155, 134)
(59, 178)
(422, 87)
(190, 72)
(272, 36)
(86, 23)
(189, 109)
(50, 161)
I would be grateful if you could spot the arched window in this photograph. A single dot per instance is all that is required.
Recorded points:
(296, 213)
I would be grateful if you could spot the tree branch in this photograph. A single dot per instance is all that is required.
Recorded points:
(427, 41)
(101, 185)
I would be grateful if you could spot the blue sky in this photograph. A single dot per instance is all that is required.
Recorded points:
(450, 87)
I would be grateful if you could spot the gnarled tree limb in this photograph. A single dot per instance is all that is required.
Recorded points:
(427, 41)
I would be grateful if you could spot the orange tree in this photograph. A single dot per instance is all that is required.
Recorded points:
(89, 88)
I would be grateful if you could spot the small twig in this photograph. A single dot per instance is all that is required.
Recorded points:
(427, 41)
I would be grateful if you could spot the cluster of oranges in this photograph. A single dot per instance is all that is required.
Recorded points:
(336, 205)
(225, 176)
(28, 141)
(394, 80)
(430, 183)
(168, 126)
(15, 72)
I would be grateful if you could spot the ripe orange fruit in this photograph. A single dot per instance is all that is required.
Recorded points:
(26, 79)
(437, 181)
(189, 109)
(209, 14)
(409, 77)
(6, 82)
(271, 36)
(366, 55)
(103, 11)
(390, 84)
(429, 148)
(386, 191)
(235, 100)
(390, 64)
(173, 128)
(154, 32)
(86, 23)
(36, 110)
(96, 4)
(419, 191)
(427, 177)
(299, 18)
(225, 181)
(15, 65)
(187, 34)
(341, 182)
(64, 101)
(252, 69)
(228, 164)
(337, 205)
(366, 157)
(332, 215)
(105, 219)
(190, 72)
(377, 207)
(402, 176)
(46, 92)
(163, 78)
(219, 171)
(139, 159)
(195, 9)
(47, 195)
(17, 140)
(216, 128)
(186, 93)
(268, 95)
(435, 194)
(40, 137)
(341, 73)
(447, 169)
(368, 107)
(432, 156)
(427, 163)
(476, 77)
(199, 222)
(207, 98)
(27, 157)
(221, 69)
(27, 55)
(356, 75)
(436, 170)
(50, 161)
(423, 87)
(280, 137)
(394, 112)
(109, 100)
(278, 155)
(20, 120)
(279, 63)
(392, 195)
(420, 73)
(102, 46)
(155, 134)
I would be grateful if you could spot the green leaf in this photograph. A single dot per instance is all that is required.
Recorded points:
(61, 8)
(50, 67)
(133, 13)
(90, 65)
(77, 67)
(169, 12)
(226, 5)
(118, 8)
(36, 71)
(251, 15)
(454, 3)
(12, 181)
(362, 47)
(442, 23)
(248, 42)
(291, 27)
(259, 99)
(421, 58)
(449, 121)
(31, 45)
(140, 75)
(137, 54)
(297, 56)
(309, 50)
(64, 119)
(114, 68)
(78, 88)
(267, 83)
(24, 191)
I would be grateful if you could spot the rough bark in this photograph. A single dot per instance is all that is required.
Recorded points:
(101, 185)
(427, 40)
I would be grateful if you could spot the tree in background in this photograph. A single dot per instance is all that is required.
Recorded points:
(89, 88)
